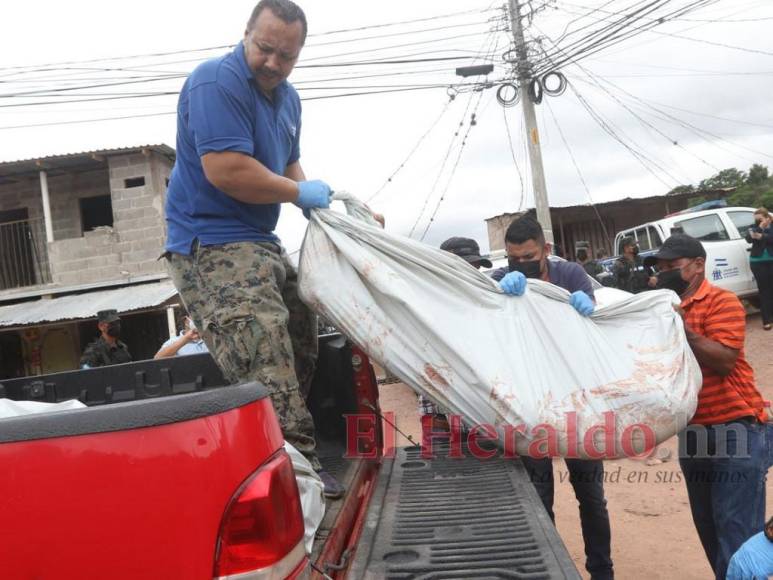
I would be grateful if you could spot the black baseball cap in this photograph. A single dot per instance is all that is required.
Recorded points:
(675, 247)
(467, 249)
(107, 316)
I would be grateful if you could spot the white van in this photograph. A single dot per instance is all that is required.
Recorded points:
(722, 232)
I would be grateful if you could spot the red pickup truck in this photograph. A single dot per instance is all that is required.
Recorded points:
(168, 474)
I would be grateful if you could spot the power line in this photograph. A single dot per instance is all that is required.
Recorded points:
(412, 151)
(682, 122)
(442, 167)
(681, 30)
(470, 125)
(620, 30)
(641, 120)
(608, 128)
(482, 53)
(230, 46)
(304, 99)
(682, 37)
(412, 21)
(515, 161)
(394, 46)
(403, 33)
(494, 46)
(56, 123)
(579, 173)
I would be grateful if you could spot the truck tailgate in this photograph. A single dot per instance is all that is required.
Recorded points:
(458, 518)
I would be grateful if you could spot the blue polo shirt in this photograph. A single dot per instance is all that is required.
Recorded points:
(221, 108)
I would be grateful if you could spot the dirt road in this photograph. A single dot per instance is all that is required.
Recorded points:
(653, 536)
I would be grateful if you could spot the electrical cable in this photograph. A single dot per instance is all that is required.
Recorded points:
(643, 160)
(696, 130)
(641, 120)
(515, 161)
(579, 173)
(483, 50)
(230, 46)
(472, 123)
(698, 40)
(412, 151)
(621, 31)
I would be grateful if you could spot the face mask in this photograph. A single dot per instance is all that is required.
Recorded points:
(530, 269)
(672, 280)
(114, 329)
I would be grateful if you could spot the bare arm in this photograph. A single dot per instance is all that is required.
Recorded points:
(295, 172)
(172, 349)
(712, 354)
(247, 180)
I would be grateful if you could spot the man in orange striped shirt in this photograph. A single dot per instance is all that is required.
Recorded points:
(723, 452)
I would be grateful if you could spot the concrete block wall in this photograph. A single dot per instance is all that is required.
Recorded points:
(64, 191)
(132, 247)
(129, 249)
(23, 192)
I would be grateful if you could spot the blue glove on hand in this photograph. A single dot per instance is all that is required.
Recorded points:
(514, 284)
(582, 303)
(314, 193)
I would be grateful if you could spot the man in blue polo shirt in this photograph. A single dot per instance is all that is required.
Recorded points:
(527, 257)
(238, 134)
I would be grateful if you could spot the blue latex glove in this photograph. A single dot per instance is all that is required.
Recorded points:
(314, 193)
(582, 303)
(514, 284)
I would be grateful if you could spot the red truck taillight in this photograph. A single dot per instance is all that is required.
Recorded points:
(262, 528)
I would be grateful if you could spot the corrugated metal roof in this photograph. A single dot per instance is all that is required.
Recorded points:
(84, 306)
(723, 191)
(70, 160)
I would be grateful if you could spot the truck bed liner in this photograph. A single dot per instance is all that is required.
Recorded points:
(458, 518)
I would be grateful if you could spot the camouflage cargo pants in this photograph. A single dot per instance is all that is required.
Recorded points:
(244, 298)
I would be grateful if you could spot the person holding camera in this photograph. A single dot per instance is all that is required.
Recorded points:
(760, 236)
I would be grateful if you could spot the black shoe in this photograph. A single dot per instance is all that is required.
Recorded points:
(333, 489)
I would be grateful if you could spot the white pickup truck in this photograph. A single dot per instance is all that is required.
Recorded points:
(722, 232)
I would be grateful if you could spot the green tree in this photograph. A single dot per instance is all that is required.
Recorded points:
(682, 189)
(730, 177)
(758, 175)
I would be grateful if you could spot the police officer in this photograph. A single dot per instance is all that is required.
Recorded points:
(629, 270)
(107, 349)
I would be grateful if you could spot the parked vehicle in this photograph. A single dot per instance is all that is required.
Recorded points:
(168, 474)
(722, 232)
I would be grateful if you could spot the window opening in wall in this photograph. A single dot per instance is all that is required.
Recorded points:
(96, 212)
(134, 182)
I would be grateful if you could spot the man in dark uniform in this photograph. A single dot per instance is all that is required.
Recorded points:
(629, 270)
(527, 257)
(107, 349)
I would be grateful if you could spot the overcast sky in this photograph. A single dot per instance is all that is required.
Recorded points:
(718, 98)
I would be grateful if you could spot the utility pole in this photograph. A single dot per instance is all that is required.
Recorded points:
(535, 151)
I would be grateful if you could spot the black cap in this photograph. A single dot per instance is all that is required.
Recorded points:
(675, 247)
(467, 249)
(107, 316)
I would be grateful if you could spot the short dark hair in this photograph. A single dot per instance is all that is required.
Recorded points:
(523, 229)
(601, 253)
(286, 10)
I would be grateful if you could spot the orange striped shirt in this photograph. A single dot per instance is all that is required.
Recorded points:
(718, 315)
